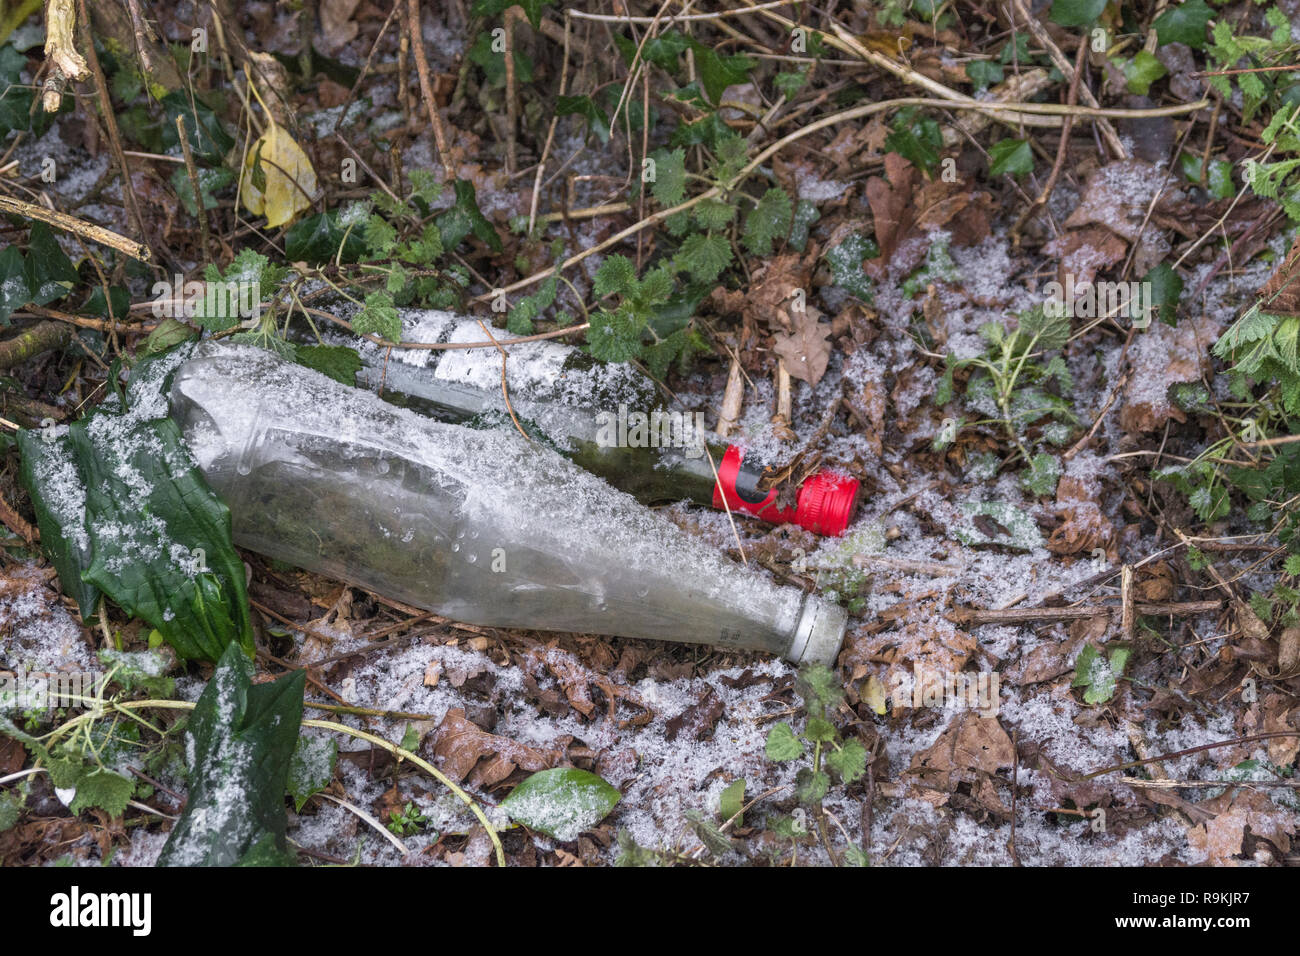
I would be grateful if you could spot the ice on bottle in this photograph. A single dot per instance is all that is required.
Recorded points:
(608, 418)
(479, 525)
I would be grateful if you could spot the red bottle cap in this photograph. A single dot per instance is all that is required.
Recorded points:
(825, 503)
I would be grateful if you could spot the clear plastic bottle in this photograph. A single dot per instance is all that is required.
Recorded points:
(609, 418)
(476, 524)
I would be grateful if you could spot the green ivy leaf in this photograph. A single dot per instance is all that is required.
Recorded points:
(532, 8)
(1141, 71)
(719, 72)
(13, 282)
(1184, 23)
(465, 218)
(208, 138)
(984, 73)
(561, 802)
(585, 107)
(1076, 13)
(1012, 156)
(317, 239)
(210, 180)
(240, 740)
(1166, 286)
(845, 261)
(49, 272)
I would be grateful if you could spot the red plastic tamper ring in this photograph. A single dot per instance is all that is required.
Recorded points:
(826, 503)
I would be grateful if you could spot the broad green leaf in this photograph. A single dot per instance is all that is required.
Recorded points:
(317, 239)
(731, 801)
(379, 317)
(240, 740)
(782, 744)
(1165, 287)
(810, 785)
(850, 761)
(984, 73)
(58, 493)
(768, 221)
(1041, 476)
(1097, 674)
(1012, 156)
(846, 261)
(719, 72)
(915, 137)
(805, 214)
(585, 107)
(210, 180)
(1076, 13)
(337, 361)
(115, 305)
(1184, 23)
(532, 8)
(669, 183)
(209, 140)
(561, 802)
(13, 282)
(819, 686)
(1141, 71)
(819, 730)
(464, 218)
(704, 256)
(998, 522)
(160, 539)
(1046, 331)
(49, 272)
(312, 768)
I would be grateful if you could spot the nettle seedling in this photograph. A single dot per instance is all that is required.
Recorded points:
(845, 760)
(1009, 386)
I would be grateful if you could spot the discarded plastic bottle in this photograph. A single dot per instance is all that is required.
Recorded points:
(478, 525)
(608, 418)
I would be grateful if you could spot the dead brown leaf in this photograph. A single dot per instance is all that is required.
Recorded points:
(807, 352)
(972, 745)
(469, 753)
